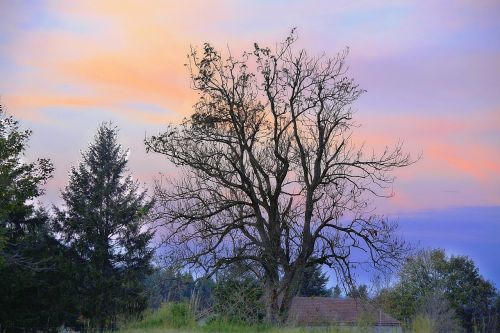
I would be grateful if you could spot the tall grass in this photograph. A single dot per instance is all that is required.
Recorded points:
(170, 315)
(422, 324)
(178, 318)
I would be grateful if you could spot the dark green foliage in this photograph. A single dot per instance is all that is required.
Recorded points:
(169, 315)
(102, 222)
(43, 297)
(336, 292)
(469, 293)
(496, 314)
(452, 284)
(360, 291)
(314, 282)
(238, 296)
(20, 184)
(34, 272)
(203, 294)
(168, 285)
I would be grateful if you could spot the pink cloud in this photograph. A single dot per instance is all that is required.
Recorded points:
(437, 96)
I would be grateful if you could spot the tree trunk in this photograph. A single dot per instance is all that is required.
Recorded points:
(271, 294)
(279, 296)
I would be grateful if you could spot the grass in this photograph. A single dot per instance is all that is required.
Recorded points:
(178, 318)
(170, 316)
(248, 329)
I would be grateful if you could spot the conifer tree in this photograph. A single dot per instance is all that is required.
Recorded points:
(35, 272)
(20, 184)
(314, 282)
(336, 292)
(103, 220)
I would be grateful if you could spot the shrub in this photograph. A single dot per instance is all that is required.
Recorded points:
(238, 297)
(169, 315)
(422, 324)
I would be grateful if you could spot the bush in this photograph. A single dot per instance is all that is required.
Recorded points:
(238, 297)
(422, 324)
(169, 315)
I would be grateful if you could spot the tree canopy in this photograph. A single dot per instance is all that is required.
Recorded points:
(20, 184)
(445, 288)
(34, 288)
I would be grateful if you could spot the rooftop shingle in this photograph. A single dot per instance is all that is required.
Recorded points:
(328, 310)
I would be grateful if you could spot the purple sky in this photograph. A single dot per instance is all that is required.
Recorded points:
(431, 71)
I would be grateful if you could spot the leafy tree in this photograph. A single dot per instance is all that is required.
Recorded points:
(166, 285)
(422, 274)
(43, 296)
(314, 282)
(451, 284)
(102, 221)
(495, 315)
(470, 295)
(272, 177)
(204, 294)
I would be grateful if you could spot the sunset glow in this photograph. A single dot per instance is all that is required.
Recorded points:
(431, 71)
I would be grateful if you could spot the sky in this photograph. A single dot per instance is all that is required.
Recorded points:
(431, 70)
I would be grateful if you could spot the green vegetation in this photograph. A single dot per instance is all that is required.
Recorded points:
(102, 222)
(178, 318)
(238, 297)
(436, 293)
(33, 288)
(170, 315)
(231, 328)
(314, 282)
(83, 265)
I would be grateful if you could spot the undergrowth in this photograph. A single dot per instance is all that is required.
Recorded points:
(169, 316)
(178, 318)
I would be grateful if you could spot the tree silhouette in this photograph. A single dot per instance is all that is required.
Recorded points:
(271, 175)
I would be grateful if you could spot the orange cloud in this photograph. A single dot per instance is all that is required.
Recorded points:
(115, 56)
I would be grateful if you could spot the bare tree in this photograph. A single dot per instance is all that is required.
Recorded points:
(270, 175)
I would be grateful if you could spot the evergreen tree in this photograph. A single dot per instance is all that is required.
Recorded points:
(336, 292)
(360, 291)
(35, 272)
(172, 285)
(102, 221)
(20, 184)
(314, 282)
(168, 285)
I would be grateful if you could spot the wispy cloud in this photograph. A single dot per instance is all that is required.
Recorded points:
(431, 70)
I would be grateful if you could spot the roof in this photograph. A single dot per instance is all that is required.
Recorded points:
(328, 310)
